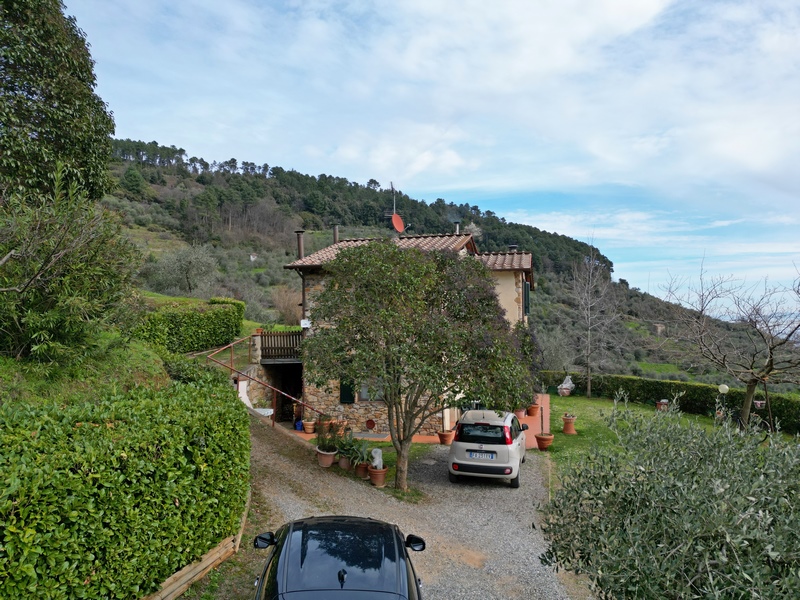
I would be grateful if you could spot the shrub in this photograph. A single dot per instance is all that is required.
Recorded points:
(107, 500)
(678, 512)
(187, 329)
(698, 398)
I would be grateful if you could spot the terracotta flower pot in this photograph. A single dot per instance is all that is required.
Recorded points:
(533, 410)
(324, 458)
(344, 463)
(520, 412)
(377, 477)
(543, 440)
(569, 425)
(446, 437)
(361, 470)
(309, 426)
(662, 405)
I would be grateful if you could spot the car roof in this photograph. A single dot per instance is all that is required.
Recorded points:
(491, 417)
(342, 553)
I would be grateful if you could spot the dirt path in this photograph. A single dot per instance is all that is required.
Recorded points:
(481, 543)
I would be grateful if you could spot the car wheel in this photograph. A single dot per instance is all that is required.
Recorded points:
(515, 481)
(453, 478)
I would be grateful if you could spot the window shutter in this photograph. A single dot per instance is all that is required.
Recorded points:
(526, 297)
(346, 393)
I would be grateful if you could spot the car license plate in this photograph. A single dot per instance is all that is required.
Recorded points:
(482, 455)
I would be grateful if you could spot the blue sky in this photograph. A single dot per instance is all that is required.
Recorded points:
(668, 133)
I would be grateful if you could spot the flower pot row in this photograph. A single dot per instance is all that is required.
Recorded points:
(362, 469)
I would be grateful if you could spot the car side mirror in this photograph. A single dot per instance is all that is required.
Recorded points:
(264, 540)
(416, 543)
(524, 427)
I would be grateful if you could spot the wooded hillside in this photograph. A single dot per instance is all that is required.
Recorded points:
(226, 229)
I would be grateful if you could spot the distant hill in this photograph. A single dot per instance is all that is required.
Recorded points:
(242, 215)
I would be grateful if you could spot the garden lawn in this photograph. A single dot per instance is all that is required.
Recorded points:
(590, 425)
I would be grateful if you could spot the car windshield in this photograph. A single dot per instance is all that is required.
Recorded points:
(481, 433)
(326, 556)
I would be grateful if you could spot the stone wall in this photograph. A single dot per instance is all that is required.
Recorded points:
(359, 412)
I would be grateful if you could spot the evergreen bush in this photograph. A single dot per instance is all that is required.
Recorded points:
(108, 499)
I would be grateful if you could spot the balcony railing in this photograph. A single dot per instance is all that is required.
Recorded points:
(281, 345)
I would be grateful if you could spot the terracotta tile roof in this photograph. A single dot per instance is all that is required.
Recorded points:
(507, 261)
(453, 242)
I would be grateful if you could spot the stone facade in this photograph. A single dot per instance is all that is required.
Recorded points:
(359, 412)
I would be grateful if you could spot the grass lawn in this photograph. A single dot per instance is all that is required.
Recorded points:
(591, 425)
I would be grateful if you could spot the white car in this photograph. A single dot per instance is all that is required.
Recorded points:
(487, 443)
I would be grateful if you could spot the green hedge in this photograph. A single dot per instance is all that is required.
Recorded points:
(189, 329)
(698, 398)
(107, 500)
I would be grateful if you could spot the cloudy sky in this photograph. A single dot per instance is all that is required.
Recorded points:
(668, 132)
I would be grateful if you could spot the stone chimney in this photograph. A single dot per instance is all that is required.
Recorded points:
(300, 251)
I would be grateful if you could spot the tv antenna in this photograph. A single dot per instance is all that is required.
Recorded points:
(397, 220)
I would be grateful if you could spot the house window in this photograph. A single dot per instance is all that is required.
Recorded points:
(364, 395)
(347, 394)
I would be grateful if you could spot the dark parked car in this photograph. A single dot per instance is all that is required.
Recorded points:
(338, 557)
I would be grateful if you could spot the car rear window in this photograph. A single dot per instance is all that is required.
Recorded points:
(477, 433)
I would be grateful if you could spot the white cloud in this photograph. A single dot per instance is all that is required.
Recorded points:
(656, 124)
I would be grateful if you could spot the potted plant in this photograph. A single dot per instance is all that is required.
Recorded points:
(533, 409)
(309, 425)
(569, 423)
(520, 411)
(344, 447)
(326, 447)
(543, 440)
(325, 422)
(445, 435)
(377, 472)
(377, 477)
(359, 456)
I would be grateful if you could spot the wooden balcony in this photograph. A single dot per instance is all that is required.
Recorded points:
(280, 347)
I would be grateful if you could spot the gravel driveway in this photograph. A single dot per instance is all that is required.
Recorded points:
(481, 542)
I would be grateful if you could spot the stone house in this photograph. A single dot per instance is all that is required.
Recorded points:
(513, 274)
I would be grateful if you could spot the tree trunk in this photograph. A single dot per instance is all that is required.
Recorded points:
(401, 475)
(747, 405)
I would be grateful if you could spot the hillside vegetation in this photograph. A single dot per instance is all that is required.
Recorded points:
(227, 229)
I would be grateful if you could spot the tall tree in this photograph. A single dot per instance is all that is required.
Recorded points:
(63, 267)
(596, 309)
(759, 345)
(421, 330)
(48, 109)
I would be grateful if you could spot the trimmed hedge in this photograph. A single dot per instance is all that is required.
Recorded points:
(189, 329)
(698, 398)
(107, 500)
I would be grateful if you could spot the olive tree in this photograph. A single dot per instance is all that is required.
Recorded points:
(424, 331)
(750, 332)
